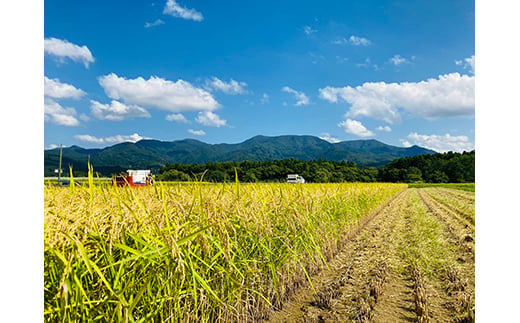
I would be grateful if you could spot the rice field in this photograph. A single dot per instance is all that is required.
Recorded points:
(413, 261)
(193, 251)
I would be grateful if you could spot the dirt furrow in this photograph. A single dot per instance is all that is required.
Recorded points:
(450, 285)
(463, 233)
(465, 209)
(420, 254)
(464, 218)
(468, 197)
(358, 275)
(396, 302)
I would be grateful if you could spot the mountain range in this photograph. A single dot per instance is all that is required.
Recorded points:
(152, 154)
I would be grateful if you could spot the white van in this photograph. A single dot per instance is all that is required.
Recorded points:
(295, 178)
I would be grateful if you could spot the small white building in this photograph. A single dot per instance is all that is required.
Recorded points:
(295, 178)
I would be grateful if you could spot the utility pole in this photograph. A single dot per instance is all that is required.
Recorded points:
(59, 167)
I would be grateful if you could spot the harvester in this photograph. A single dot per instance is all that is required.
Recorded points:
(135, 178)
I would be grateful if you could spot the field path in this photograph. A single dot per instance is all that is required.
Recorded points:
(411, 261)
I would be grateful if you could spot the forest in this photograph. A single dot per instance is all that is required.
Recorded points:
(447, 167)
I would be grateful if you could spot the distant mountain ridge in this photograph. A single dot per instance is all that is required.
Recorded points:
(152, 154)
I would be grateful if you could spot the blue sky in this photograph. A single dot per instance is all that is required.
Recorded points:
(401, 72)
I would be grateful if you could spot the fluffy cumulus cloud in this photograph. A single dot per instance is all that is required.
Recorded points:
(384, 128)
(157, 22)
(440, 143)
(158, 93)
(176, 117)
(110, 140)
(55, 89)
(174, 9)
(116, 111)
(55, 113)
(210, 119)
(356, 128)
(328, 137)
(448, 95)
(301, 98)
(231, 87)
(62, 49)
(196, 132)
(467, 63)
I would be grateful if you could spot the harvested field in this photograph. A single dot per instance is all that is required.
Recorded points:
(413, 262)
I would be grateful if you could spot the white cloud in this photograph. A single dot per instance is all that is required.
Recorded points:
(405, 143)
(84, 117)
(55, 89)
(157, 22)
(231, 87)
(398, 60)
(55, 113)
(121, 138)
(301, 98)
(328, 137)
(63, 49)
(308, 30)
(468, 63)
(158, 93)
(353, 40)
(440, 143)
(196, 132)
(53, 146)
(449, 95)
(172, 8)
(209, 118)
(110, 140)
(355, 127)
(177, 117)
(116, 111)
(264, 99)
(384, 128)
(359, 41)
(89, 138)
(471, 63)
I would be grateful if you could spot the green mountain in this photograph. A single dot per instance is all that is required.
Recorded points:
(152, 154)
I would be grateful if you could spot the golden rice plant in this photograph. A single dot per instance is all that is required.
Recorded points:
(191, 251)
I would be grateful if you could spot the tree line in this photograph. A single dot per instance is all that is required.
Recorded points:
(437, 168)
(447, 167)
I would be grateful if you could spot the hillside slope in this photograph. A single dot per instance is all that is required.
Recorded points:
(152, 154)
